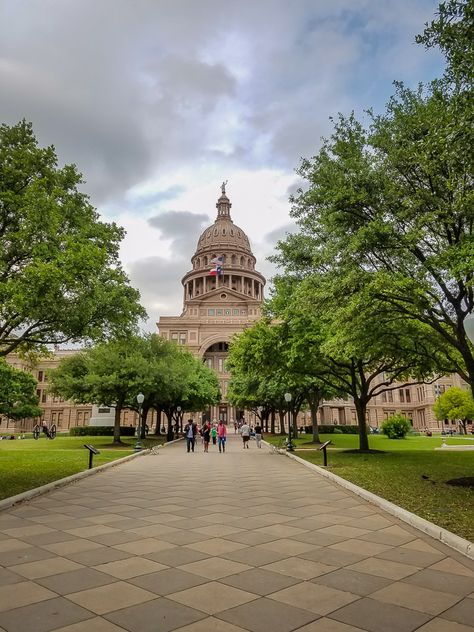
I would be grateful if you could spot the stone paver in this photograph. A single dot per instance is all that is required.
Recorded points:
(236, 542)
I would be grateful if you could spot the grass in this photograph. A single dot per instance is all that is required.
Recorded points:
(27, 464)
(408, 472)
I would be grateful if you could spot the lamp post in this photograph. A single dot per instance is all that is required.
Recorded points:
(140, 400)
(289, 446)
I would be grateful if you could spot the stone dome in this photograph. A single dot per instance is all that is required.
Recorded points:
(223, 234)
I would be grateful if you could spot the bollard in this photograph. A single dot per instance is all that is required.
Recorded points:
(92, 451)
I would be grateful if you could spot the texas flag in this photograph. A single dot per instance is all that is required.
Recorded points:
(217, 262)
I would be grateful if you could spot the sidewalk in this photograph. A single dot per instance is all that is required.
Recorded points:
(246, 540)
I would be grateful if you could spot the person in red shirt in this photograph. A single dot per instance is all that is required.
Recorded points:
(221, 435)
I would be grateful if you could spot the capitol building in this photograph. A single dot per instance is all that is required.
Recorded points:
(220, 299)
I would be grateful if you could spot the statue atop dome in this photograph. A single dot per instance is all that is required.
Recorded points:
(223, 187)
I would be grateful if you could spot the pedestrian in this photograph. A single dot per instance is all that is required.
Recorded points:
(258, 435)
(221, 435)
(245, 433)
(234, 423)
(206, 435)
(214, 434)
(190, 431)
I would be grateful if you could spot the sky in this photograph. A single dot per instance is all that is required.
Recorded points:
(158, 102)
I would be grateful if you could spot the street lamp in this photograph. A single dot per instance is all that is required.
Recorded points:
(469, 326)
(289, 446)
(140, 400)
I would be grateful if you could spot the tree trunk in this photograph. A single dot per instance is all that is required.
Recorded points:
(169, 433)
(361, 409)
(158, 421)
(143, 422)
(313, 407)
(118, 414)
(272, 422)
(463, 426)
(281, 415)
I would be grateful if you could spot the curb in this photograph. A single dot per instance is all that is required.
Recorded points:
(438, 533)
(6, 503)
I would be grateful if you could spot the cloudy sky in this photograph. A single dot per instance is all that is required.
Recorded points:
(159, 101)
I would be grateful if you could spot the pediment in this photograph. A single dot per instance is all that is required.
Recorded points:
(217, 297)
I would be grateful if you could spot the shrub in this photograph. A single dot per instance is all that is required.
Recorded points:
(338, 431)
(396, 427)
(108, 431)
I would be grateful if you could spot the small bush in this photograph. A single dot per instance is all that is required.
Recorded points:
(396, 427)
(337, 431)
(107, 431)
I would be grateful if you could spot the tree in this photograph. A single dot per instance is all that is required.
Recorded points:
(18, 398)
(392, 202)
(60, 276)
(455, 404)
(110, 374)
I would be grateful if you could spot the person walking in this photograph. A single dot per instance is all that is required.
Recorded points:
(206, 435)
(221, 435)
(245, 433)
(190, 431)
(258, 435)
(214, 434)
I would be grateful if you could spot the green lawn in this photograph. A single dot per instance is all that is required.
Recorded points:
(409, 472)
(26, 464)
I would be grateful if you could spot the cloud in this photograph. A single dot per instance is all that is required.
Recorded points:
(158, 102)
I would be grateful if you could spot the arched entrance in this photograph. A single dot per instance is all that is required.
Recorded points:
(214, 357)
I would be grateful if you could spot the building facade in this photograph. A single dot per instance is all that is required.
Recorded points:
(222, 294)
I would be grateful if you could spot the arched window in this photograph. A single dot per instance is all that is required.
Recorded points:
(234, 260)
(242, 261)
(205, 261)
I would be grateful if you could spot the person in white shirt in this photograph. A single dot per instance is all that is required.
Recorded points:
(245, 433)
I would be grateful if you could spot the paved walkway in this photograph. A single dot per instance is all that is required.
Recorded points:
(246, 540)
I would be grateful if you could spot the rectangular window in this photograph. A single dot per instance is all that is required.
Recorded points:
(407, 395)
(219, 312)
(401, 395)
(235, 312)
(211, 312)
(209, 363)
(384, 397)
(43, 397)
(390, 396)
(40, 376)
(220, 365)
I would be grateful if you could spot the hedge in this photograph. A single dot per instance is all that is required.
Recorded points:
(329, 429)
(83, 431)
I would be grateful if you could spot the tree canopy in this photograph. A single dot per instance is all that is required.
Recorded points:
(60, 275)
(455, 404)
(386, 221)
(114, 372)
(18, 397)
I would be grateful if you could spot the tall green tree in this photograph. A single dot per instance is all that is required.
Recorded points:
(455, 404)
(60, 275)
(18, 399)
